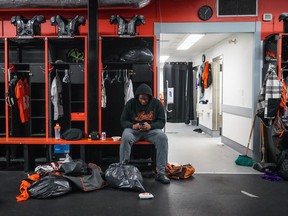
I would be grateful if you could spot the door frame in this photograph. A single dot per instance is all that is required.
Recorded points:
(217, 93)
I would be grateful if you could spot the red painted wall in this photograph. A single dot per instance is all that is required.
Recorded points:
(186, 11)
(156, 11)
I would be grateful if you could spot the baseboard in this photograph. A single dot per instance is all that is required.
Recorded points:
(213, 133)
(236, 146)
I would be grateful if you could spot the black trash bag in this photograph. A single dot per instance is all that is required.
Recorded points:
(74, 168)
(91, 181)
(126, 176)
(142, 54)
(49, 186)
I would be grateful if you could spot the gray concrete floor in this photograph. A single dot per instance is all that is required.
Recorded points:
(212, 190)
(207, 154)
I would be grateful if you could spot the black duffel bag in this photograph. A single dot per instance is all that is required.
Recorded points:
(74, 168)
(89, 181)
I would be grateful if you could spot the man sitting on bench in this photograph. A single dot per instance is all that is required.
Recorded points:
(143, 118)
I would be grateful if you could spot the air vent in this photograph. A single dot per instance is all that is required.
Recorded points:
(237, 7)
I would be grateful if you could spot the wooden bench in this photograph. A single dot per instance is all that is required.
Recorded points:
(29, 163)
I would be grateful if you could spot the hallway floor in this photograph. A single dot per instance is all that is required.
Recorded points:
(207, 154)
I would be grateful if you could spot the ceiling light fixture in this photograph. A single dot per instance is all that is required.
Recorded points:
(189, 41)
(163, 58)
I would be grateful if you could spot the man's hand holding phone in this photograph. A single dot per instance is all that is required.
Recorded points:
(144, 126)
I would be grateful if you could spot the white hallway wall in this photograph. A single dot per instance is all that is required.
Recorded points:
(237, 84)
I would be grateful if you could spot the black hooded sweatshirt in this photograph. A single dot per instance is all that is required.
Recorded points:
(134, 112)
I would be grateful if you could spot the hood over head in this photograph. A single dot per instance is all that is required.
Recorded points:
(143, 89)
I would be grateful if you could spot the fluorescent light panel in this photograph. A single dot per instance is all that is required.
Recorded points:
(163, 58)
(189, 41)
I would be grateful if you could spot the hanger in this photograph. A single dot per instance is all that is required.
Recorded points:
(115, 78)
(13, 80)
(66, 78)
(271, 68)
(125, 75)
(120, 75)
(106, 77)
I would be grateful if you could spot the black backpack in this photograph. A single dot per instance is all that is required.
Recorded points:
(73, 134)
(282, 164)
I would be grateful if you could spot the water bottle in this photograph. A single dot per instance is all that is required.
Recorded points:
(57, 129)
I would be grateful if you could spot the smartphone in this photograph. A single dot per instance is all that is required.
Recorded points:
(141, 123)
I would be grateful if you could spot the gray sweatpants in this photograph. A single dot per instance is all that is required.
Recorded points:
(156, 136)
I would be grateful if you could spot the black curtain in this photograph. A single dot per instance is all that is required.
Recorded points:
(194, 93)
(180, 77)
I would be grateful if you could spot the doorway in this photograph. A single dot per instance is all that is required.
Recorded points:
(179, 76)
(227, 110)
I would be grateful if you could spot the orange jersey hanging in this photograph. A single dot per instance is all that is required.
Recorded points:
(20, 94)
(205, 75)
(27, 99)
